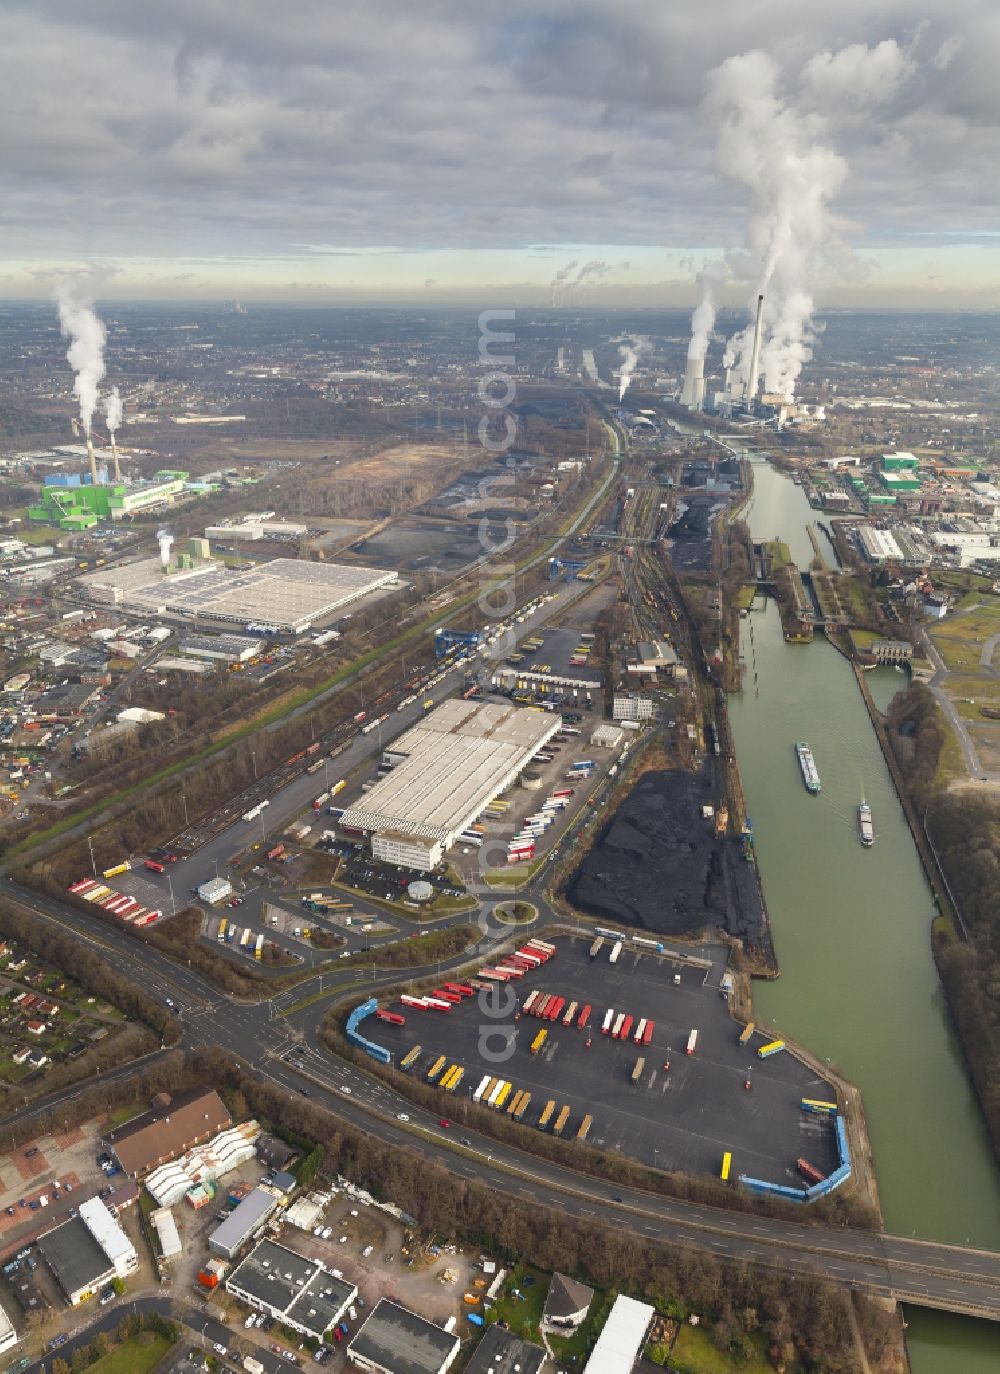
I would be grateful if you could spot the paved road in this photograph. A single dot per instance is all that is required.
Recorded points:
(914, 1271)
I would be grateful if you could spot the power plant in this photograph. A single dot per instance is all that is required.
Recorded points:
(693, 391)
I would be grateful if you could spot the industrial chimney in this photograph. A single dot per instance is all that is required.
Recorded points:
(114, 455)
(93, 461)
(693, 392)
(165, 540)
(751, 393)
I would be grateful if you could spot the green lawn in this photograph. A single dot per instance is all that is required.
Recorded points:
(522, 1314)
(137, 1356)
(694, 1353)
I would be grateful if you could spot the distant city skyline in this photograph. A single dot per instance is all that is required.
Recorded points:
(453, 153)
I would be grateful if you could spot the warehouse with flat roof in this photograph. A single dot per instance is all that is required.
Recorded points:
(624, 1334)
(501, 1352)
(394, 1340)
(243, 1223)
(289, 594)
(445, 772)
(298, 1292)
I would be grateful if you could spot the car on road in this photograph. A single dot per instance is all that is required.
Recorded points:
(305, 1092)
(444, 1122)
(402, 1116)
(345, 1089)
(220, 1349)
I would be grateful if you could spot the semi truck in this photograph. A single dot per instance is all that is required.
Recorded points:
(484, 1083)
(746, 1032)
(640, 1064)
(561, 1120)
(585, 1126)
(692, 1042)
(616, 951)
(546, 1115)
(727, 1164)
(809, 1171)
(410, 1058)
(538, 1041)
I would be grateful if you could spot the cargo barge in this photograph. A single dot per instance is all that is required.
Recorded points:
(810, 775)
(866, 830)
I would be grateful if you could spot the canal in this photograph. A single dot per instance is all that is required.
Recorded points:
(851, 931)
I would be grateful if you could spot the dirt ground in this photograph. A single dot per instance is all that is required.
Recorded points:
(194, 1228)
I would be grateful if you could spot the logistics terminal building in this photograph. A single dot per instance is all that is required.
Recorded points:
(445, 772)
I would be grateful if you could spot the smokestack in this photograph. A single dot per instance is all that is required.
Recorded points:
(114, 455)
(751, 395)
(93, 461)
(693, 393)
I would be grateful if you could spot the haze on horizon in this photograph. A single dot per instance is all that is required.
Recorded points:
(457, 153)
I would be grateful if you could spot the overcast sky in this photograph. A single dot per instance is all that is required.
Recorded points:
(333, 151)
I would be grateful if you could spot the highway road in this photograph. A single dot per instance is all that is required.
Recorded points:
(285, 1049)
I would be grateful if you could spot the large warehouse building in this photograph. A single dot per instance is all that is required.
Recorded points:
(445, 772)
(288, 594)
(394, 1340)
(298, 1292)
(621, 1340)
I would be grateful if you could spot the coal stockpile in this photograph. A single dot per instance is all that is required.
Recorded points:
(658, 865)
(691, 533)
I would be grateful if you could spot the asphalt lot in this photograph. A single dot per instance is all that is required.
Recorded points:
(684, 1117)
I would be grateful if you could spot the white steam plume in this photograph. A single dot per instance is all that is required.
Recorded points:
(775, 148)
(703, 317)
(594, 269)
(113, 412)
(85, 354)
(629, 357)
(560, 280)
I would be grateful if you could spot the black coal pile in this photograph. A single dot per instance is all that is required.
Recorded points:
(657, 863)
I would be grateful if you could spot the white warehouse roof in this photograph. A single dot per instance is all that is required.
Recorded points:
(619, 1344)
(457, 759)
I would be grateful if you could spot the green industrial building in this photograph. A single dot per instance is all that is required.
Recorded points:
(82, 507)
(900, 462)
(901, 481)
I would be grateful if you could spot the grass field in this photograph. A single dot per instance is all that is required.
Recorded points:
(137, 1356)
(522, 1314)
(694, 1353)
(959, 639)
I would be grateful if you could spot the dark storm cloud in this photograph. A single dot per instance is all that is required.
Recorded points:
(202, 127)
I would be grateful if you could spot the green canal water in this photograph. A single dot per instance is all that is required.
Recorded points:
(851, 929)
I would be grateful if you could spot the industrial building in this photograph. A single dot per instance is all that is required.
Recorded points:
(620, 1343)
(163, 1222)
(217, 1157)
(501, 1352)
(394, 1340)
(73, 504)
(286, 594)
(176, 1122)
(244, 1223)
(445, 771)
(88, 1251)
(298, 1292)
(222, 648)
(257, 527)
(8, 1336)
(878, 546)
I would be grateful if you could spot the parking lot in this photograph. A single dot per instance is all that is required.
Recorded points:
(683, 1111)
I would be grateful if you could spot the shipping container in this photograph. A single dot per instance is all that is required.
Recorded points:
(585, 1126)
(561, 1120)
(809, 1171)
(584, 1017)
(647, 1034)
(746, 1032)
(115, 869)
(640, 1064)
(434, 1072)
(483, 1084)
(555, 1008)
(437, 1004)
(530, 1001)
(609, 1017)
(546, 1115)
(522, 1106)
(538, 1041)
(569, 1014)
(626, 1029)
(455, 1079)
(393, 1017)
(495, 1091)
(617, 1027)
(596, 947)
(640, 1031)
(692, 1042)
